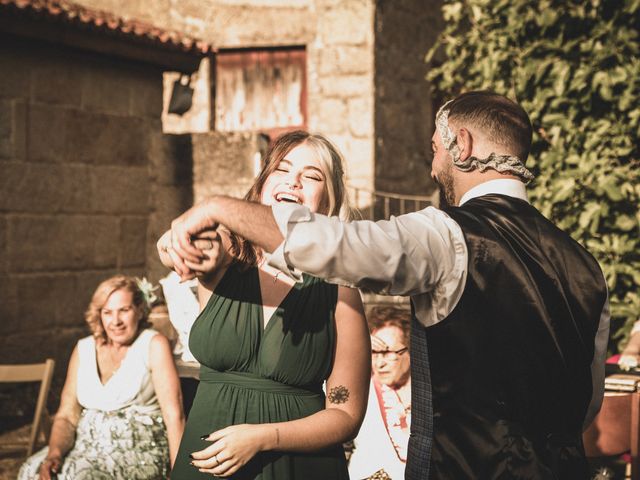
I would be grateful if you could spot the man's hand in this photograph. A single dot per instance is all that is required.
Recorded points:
(249, 220)
(171, 259)
(189, 225)
(210, 244)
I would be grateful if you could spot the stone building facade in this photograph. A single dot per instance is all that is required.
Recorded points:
(86, 173)
(365, 71)
(90, 181)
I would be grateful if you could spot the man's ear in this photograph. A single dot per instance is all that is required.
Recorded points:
(465, 143)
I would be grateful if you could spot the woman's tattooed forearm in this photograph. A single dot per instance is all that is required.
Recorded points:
(339, 394)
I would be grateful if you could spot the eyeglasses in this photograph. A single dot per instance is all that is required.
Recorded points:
(389, 355)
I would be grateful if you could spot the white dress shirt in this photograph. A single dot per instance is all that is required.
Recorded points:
(422, 254)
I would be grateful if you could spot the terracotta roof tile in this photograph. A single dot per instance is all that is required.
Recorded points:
(71, 13)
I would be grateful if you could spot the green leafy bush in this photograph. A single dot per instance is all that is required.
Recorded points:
(575, 67)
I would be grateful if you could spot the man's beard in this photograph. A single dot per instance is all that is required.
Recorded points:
(445, 182)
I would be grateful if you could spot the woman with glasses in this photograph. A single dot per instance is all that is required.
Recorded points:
(380, 449)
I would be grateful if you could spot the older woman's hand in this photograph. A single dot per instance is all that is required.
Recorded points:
(49, 466)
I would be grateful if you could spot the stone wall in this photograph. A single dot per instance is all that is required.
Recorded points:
(225, 163)
(365, 70)
(89, 182)
(339, 40)
(83, 163)
(404, 32)
(341, 83)
(225, 23)
(171, 191)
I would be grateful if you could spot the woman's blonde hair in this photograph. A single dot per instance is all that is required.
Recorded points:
(102, 294)
(336, 198)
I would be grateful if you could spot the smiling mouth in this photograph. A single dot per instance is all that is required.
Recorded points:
(286, 197)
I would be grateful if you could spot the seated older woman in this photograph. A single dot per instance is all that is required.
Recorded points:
(120, 415)
(380, 449)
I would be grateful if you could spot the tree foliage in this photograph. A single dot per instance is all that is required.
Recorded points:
(574, 65)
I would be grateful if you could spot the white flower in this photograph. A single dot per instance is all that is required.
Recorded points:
(147, 289)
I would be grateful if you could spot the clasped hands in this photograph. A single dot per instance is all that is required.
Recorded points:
(193, 246)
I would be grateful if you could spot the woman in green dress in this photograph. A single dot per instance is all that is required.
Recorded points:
(267, 343)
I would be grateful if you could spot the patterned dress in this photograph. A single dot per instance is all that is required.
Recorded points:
(380, 449)
(121, 434)
(256, 374)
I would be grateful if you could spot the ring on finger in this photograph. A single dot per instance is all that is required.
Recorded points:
(216, 458)
(205, 244)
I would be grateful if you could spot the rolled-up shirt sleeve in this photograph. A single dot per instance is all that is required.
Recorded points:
(411, 254)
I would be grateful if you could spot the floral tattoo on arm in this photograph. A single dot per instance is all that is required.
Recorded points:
(339, 394)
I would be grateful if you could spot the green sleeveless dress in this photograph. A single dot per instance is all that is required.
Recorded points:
(252, 374)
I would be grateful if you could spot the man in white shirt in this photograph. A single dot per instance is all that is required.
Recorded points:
(510, 315)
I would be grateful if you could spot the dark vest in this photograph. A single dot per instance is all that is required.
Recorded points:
(510, 367)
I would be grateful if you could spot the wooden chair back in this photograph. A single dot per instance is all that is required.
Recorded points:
(36, 372)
